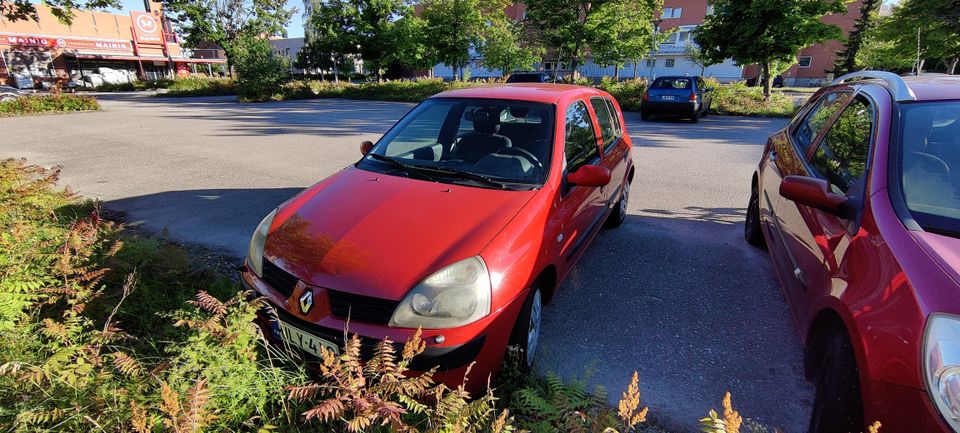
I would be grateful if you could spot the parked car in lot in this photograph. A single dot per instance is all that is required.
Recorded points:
(677, 96)
(461, 220)
(858, 202)
(530, 77)
(8, 93)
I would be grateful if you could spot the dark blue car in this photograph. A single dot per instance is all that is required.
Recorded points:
(688, 97)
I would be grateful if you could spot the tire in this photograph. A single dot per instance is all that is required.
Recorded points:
(526, 330)
(5, 98)
(695, 117)
(752, 231)
(644, 115)
(619, 213)
(837, 407)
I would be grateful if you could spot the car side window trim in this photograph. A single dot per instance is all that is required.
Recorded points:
(814, 108)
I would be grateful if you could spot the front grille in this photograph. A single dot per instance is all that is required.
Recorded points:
(278, 279)
(361, 308)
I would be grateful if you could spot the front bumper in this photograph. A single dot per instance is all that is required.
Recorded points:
(477, 348)
(682, 107)
(901, 409)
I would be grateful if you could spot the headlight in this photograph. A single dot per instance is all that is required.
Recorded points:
(456, 295)
(941, 359)
(255, 252)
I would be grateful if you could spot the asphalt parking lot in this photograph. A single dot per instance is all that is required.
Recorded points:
(675, 293)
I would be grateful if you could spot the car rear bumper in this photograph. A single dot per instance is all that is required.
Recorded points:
(685, 107)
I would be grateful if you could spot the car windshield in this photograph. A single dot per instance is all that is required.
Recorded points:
(477, 142)
(930, 168)
(671, 83)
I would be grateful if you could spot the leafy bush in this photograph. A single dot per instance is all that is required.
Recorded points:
(135, 86)
(628, 93)
(260, 72)
(201, 86)
(739, 100)
(51, 103)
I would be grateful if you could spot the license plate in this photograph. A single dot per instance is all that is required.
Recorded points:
(305, 341)
(668, 98)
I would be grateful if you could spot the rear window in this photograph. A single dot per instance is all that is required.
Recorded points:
(672, 83)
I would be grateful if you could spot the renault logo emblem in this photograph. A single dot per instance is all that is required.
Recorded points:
(306, 302)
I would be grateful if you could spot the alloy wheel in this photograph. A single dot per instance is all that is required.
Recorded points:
(533, 327)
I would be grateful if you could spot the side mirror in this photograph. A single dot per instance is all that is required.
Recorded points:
(365, 147)
(815, 193)
(590, 175)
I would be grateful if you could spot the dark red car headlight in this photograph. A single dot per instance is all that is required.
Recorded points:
(941, 362)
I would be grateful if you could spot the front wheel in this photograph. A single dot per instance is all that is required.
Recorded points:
(695, 117)
(751, 225)
(837, 407)
(526, 331)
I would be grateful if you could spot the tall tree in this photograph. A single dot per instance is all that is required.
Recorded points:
(765, 32)
(376, 32)
(698, 56)
(506, 47)
(453, 29)
(847, 59)
(918, 30)
(621, 31)
(329, 41)
(562, 26)
(229, 23)
(18, 10)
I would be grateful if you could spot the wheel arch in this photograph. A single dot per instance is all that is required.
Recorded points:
(825, 324)
(546, 280)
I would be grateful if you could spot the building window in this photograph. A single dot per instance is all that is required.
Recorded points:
(709, 9)
(651, 63)
(805, 61)
(671, 13)
(671, 38)
(671, 63)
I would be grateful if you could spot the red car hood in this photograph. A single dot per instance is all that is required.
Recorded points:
(378, 235)
(945, 251)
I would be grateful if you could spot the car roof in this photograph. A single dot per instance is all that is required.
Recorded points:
(934, 87)
(534, 92)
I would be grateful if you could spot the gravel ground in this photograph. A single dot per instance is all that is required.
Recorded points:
(675, 293)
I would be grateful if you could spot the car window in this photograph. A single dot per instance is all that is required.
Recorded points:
(929, 136)
(671, 83)
(615, 117)
(841, 158)
(810, 127)
(507, 141)
(608, 129)
(580, 140)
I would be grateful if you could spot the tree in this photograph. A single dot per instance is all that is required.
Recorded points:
(698, 57)
(917, 30)
(260, 72)
(329, 41)
(765, 32)
(376, 33)
(229, 23)
(621, 31)
(562, 26)
(505, 47)
(847, 59)
(17, 10)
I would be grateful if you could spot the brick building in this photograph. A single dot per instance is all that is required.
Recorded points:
(814, 64)
(139, 44)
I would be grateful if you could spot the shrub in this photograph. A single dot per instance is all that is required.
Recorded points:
(260, 72)
(628, 93)
(739, 100)
(135, 86)
(50, 103)
(201, 86)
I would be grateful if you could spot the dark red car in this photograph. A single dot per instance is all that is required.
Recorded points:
(858, 201)
(462, 220)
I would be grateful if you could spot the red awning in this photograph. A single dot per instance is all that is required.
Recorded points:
(141, 58)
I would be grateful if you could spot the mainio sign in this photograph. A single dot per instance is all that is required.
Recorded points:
(68, 43)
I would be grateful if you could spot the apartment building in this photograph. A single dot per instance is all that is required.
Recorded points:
(814, 64)
(139, 44)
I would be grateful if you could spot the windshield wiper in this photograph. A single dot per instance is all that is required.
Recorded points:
(463, 174)
(406, 168)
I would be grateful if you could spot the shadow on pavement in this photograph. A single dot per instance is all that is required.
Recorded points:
(686, 302)
(223, 219)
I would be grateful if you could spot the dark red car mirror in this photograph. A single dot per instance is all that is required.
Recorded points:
(815, 193)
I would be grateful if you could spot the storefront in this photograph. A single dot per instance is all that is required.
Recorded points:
(95, 47)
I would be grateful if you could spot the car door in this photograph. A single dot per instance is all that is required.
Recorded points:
(787, 155)
(614, 152)
(817, 238)
(580, 208)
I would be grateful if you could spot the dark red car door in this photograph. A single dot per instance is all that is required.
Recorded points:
(819, 239)
(793, 253)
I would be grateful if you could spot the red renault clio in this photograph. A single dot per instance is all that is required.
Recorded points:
(461, 220)
(858, 202)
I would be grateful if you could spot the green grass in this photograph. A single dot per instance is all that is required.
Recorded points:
(51, 103)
